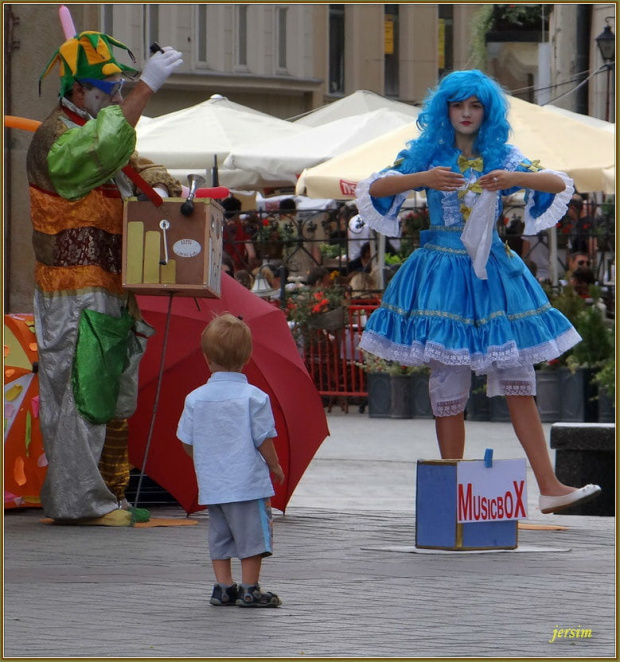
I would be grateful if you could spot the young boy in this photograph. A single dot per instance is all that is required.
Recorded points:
(227, 427)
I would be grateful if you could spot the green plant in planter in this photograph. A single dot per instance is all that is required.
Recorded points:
(331, 251)
(605, 378)
(571, 305)
(597, 345)
(373, 364)
(397, 370)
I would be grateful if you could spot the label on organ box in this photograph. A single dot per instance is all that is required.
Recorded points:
(186, 248)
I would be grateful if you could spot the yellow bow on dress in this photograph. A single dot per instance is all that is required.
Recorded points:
(465, 163)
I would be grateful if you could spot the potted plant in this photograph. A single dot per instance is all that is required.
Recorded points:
(548, 373)
(575, 399)
(316, 309)
(478, 405)
(268, 237)
(378, 382)
(548, 391)
(420, 398)
(585, 361)
(605, 380)
(400, 389)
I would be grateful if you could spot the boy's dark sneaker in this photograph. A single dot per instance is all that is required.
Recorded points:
(224, 596)
(252, 596)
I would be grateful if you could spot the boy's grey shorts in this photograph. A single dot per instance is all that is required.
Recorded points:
(240, 529)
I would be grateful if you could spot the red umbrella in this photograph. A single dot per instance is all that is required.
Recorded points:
(276, 367)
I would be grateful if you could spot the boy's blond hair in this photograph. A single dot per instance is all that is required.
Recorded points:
(227, 342)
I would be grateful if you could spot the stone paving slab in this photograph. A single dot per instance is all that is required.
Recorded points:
(101, 593)
(96, 592)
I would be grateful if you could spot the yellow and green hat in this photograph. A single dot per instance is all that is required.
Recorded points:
(87, 55)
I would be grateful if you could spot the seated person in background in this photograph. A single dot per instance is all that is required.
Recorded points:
(237, 242)
(245, 278)
(362, 263)
(361, 284)
(531, 265)
(575, 261)
(582, 225)
(319, 277)
(228, 266)
(581, 279)
(514, 237)
(578, 260)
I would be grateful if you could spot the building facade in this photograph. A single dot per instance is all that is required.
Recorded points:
(282, 59)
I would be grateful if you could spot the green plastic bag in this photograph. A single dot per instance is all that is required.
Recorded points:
(99, 360)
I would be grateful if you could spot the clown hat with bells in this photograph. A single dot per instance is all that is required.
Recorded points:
(87, 55)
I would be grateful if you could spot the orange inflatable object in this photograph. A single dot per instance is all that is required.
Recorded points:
(24, 459)
(13, 122)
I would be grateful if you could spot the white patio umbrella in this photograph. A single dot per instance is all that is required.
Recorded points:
(559, 142)
(358, 103)
(285, 157)
(187, 141)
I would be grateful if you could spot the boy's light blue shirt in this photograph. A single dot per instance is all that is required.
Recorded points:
(225, 421)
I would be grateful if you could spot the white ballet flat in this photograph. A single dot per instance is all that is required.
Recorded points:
(552, 504)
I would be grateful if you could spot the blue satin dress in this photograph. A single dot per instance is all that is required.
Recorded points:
(437, 309)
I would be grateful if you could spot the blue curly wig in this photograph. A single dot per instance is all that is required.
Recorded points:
(435, 145)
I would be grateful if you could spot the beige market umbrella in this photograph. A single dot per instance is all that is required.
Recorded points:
(338, 177)
(564, 143)
(284, 158)
(188, 140)
(559, 142)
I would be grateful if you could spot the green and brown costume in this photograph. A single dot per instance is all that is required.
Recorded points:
(89, 333)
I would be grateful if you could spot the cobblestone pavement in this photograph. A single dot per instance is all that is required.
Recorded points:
(143, 592)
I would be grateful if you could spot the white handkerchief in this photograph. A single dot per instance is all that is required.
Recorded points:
(478, 233)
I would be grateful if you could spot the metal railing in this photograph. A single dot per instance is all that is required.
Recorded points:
(333, 359)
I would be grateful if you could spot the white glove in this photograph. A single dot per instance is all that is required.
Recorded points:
(160, 66)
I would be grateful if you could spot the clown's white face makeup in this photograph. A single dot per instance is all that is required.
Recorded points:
(95, 99)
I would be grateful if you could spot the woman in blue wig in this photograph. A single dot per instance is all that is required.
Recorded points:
(464, 302)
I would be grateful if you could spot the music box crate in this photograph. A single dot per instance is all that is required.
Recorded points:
(437, 525)
(166, 252)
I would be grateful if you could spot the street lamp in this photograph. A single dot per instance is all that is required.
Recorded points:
(606, 43)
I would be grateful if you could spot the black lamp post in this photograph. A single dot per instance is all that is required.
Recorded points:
(606, 43)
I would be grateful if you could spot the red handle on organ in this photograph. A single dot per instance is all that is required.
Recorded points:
(214, 192)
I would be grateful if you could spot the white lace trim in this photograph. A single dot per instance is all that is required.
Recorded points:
(388, 224)
(450, 407)
(451, 207)
(514, 158)
(505, 356)
(556, 209)
(518, 388)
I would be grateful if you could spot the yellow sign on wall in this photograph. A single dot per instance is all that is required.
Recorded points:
(388, 35)
(441, 44)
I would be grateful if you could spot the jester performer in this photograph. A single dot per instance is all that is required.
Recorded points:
(465, 302)
(81, 165)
